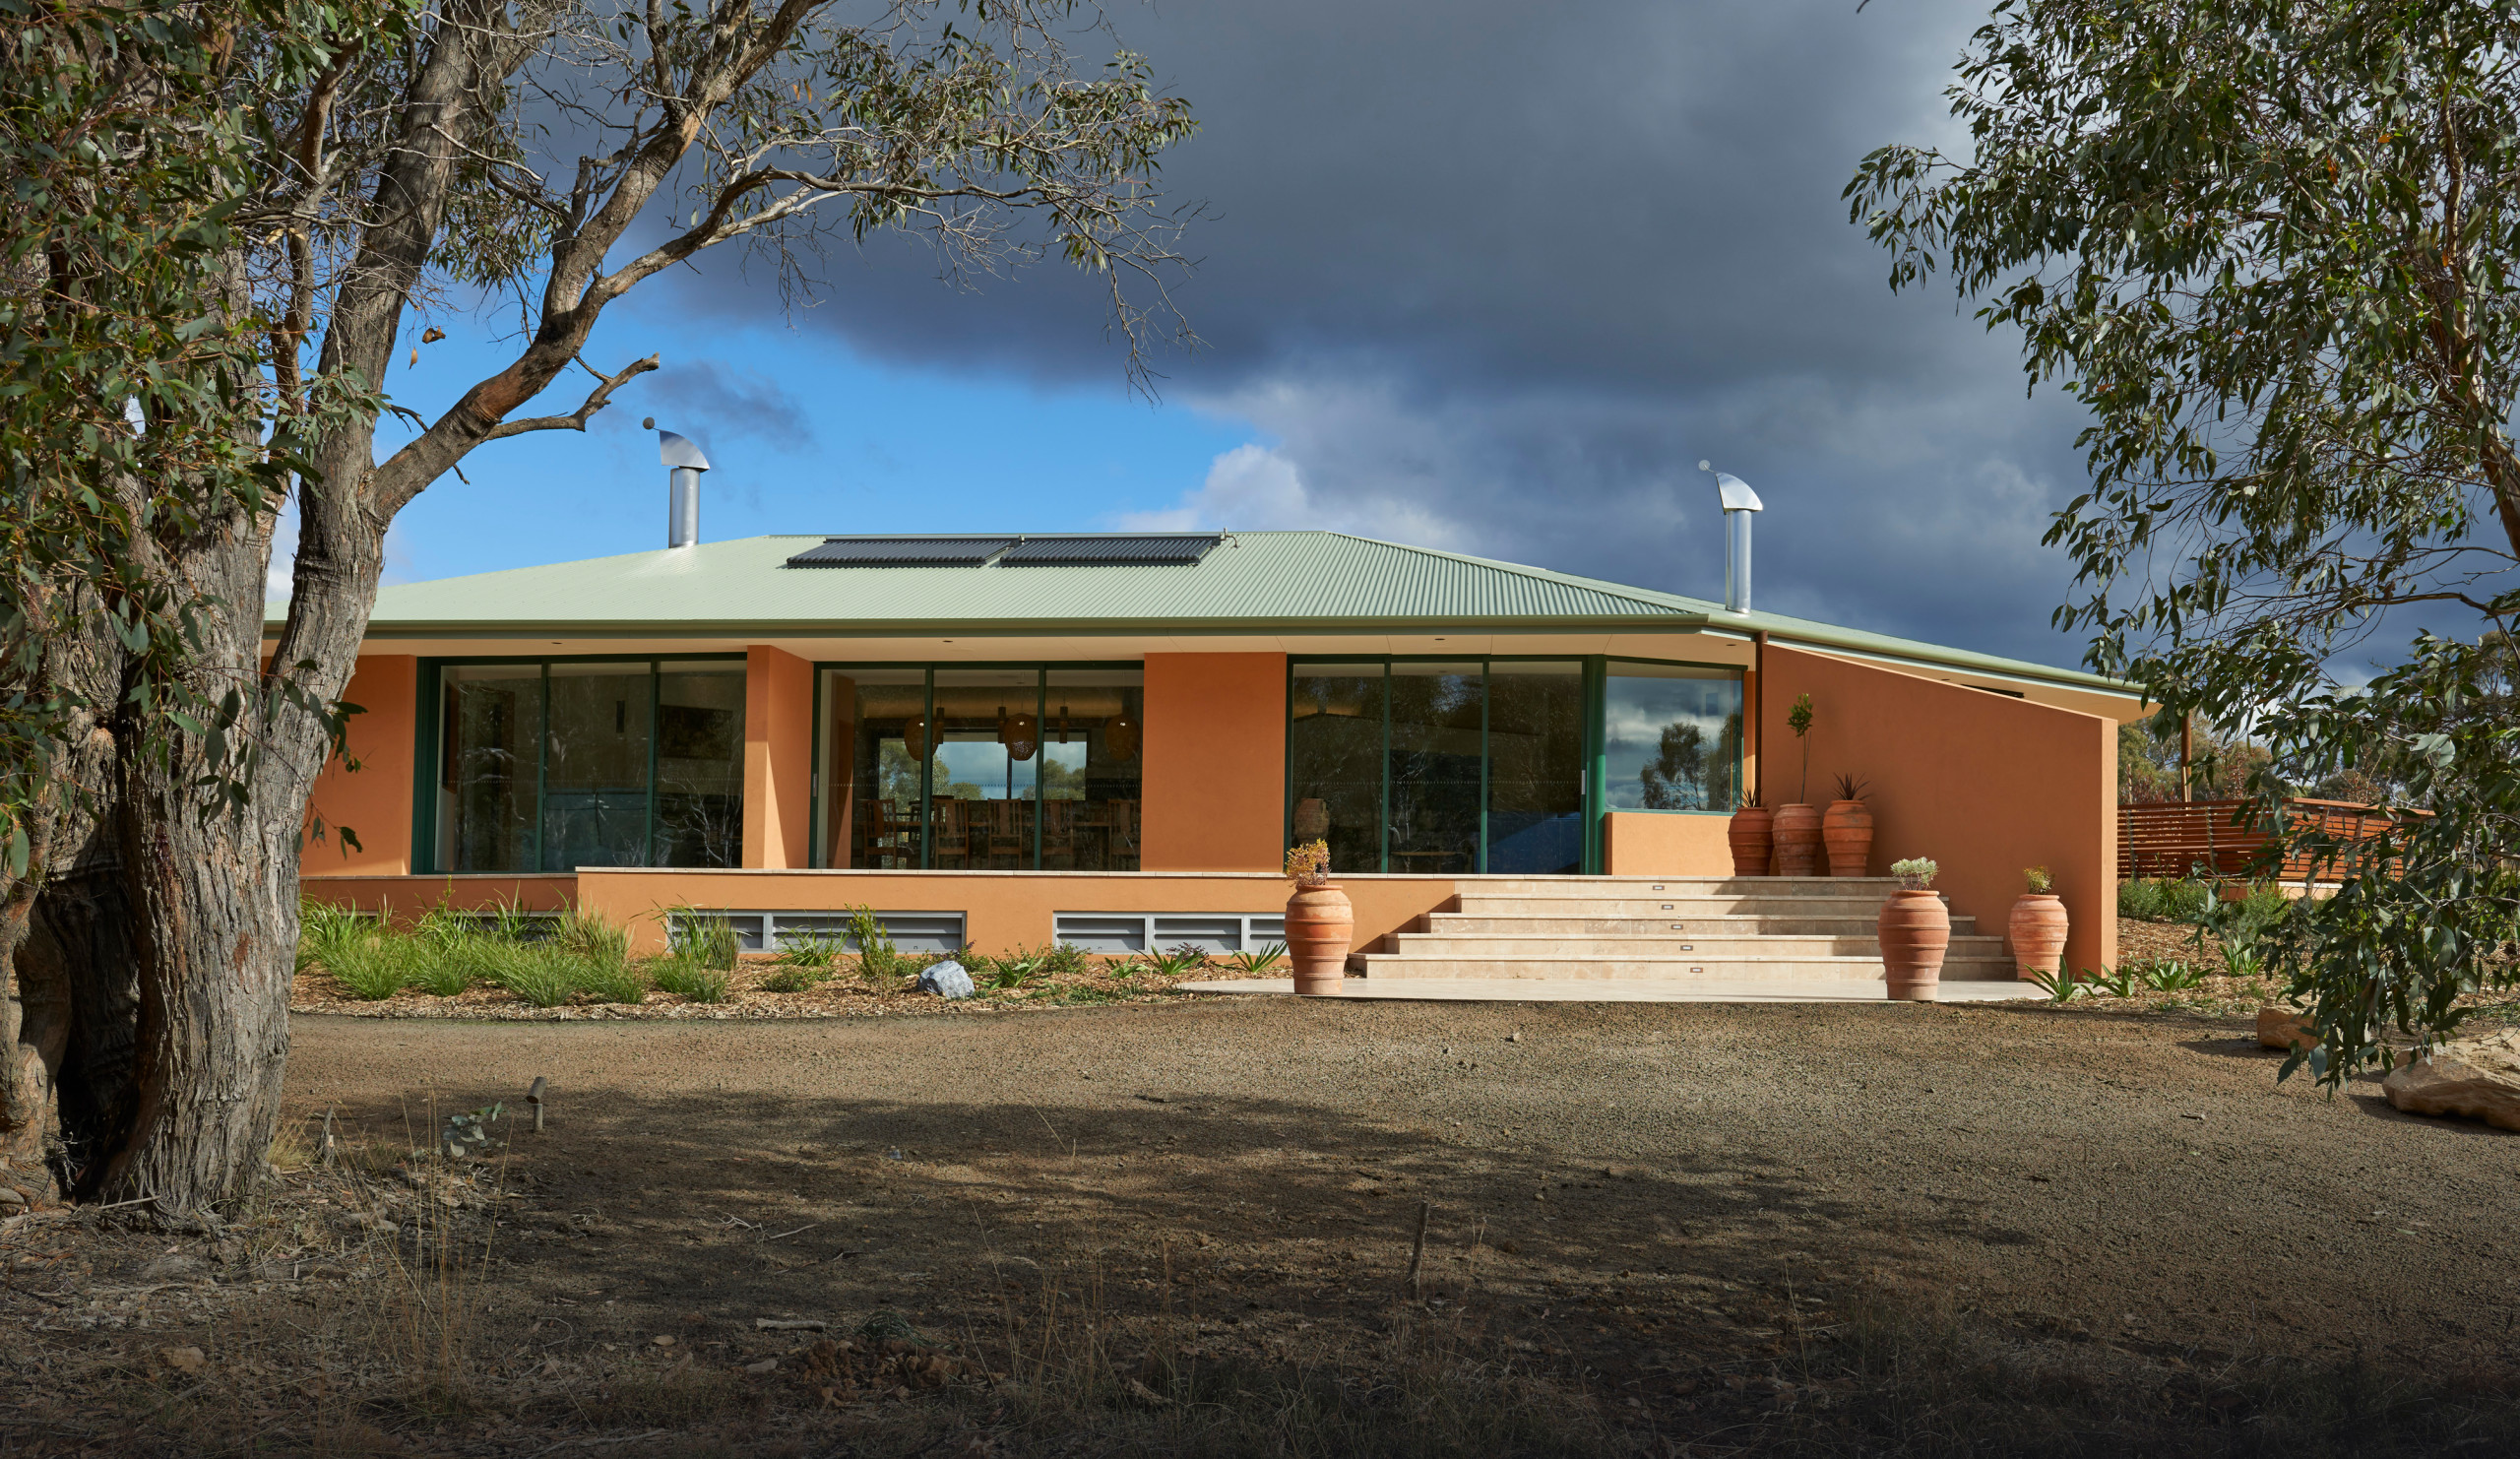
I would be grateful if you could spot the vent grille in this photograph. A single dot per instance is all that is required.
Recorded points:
(902, 551)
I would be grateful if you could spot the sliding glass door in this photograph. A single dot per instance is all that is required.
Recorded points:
(1006, 768)
(1502, 765)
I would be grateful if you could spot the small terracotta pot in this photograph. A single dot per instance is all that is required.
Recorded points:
(1321, 926)
(1847, 829)
(2037, 928)
(1798, 840)
(1753, 837)
(1914, 929)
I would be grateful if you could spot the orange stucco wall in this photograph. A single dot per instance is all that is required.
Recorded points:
(1648, 843)
(373, 800)
(1216, 762)
(1984, 783)
(779, 757)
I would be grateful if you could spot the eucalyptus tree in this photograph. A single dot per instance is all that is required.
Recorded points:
(557, 153)
(2269, 245)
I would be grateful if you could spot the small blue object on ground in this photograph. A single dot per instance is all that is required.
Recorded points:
(946, 980)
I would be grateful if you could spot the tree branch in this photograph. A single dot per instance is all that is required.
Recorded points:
(600, 398)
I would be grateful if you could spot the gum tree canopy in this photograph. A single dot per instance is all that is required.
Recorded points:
(2270, 247)
(223, 215)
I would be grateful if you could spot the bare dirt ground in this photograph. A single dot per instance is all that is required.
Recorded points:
(1186, 1227)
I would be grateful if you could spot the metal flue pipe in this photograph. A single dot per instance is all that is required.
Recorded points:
(684, 464)
(1740, 502)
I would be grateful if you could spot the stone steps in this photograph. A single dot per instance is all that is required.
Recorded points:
(1683, 932)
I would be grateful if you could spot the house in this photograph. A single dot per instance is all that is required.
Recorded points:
(1111, 740)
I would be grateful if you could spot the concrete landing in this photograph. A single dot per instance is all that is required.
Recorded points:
(1625, 990)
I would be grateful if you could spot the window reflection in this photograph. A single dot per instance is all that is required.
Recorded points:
(1335, 761)
(1671, 737)
(554, 766)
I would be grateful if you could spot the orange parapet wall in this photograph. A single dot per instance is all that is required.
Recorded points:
(369, 794)
(1216, 762)
(1662, 843)
(779, 757)
(1982, 783)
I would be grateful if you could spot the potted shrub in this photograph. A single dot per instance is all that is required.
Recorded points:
(2038, 925)
(1914, 930)
(1320, 922)
(1752, 836)
(1796, 828)
(1847, 829)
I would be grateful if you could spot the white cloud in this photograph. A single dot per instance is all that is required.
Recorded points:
(1259, 489)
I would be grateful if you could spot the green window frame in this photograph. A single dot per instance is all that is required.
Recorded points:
(817, 855)
(429, 736)
(1595, 748)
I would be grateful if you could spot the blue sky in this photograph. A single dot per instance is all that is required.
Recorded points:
(1473, 275)
(804, 434)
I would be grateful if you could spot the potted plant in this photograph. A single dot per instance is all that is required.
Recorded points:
(1915, 931)
(1847, 828)
(1320, 922)
(1798, 826)
(1752, 835)
(2039, 925)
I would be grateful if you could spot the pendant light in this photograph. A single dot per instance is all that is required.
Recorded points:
(914, 737)
(1020, 734)
(1120, 736)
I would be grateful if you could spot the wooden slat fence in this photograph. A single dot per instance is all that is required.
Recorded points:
(2178, 838)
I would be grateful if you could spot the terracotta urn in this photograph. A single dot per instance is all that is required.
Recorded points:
(1847, 831)
(1798, 840)
(1914, 929)
(1753, 837)
(1321, 926)
(2038, 929)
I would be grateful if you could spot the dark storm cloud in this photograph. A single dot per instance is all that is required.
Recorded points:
(1494, 275)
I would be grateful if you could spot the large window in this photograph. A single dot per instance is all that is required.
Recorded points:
(552, 766)
(1670, 738)
(1480, 766)
(1009, 767)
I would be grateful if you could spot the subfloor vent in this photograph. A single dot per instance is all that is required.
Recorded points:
(1143, 931)
(769, 932)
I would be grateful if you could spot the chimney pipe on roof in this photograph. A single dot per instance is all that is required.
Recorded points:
(1740, 502)
(682, 495)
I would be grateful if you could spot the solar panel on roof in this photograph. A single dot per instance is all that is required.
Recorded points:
(1144, 550)
(902, 551)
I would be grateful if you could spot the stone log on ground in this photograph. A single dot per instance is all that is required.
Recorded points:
(2477, 1076)
(2282, 1028)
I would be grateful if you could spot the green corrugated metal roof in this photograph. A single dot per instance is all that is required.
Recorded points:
(1254, 582)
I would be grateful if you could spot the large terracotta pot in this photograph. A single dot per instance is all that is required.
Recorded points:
(2038, 930)
(1798, 840)
(1847, 829)
(1914, 929)
(1321, 926)
(1753, 837)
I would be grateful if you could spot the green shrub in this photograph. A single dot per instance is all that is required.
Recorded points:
(792, 977)
(876, 957)
(1258, 962)
(586, 936)
(2188, 901)
(2139, 899)
(538, 972)
(376, 966)
(706, 938)
(1181, 962)
(444, 967)
(1066, 960)
(812, 950)
(611, 982)
(322, 929)
(1013, 970)
(686, 977)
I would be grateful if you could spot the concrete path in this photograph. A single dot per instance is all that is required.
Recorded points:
(1625, 989)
